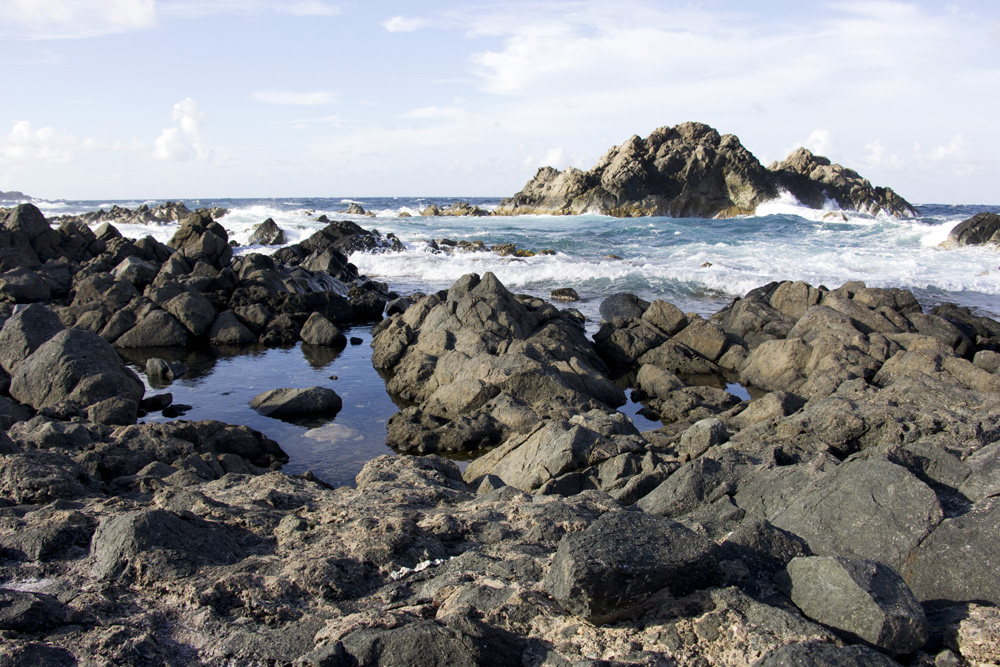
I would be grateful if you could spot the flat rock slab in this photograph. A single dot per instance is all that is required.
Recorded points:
(30, 612)
(821, 654)
(297, 402)
(861, 598)
(625, 558)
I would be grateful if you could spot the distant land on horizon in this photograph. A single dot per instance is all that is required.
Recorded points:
(14, 195)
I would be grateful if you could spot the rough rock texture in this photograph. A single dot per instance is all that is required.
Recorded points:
(691, 171)
(267, 233)
(980, 229)
(479, 365)
(623, 559)
(862, 598)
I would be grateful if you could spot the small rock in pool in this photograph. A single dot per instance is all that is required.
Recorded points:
(297, 402)
(356, 341)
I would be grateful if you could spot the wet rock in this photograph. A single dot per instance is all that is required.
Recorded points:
(320, 331)
(164, 372)
(980, 229)
(297, 402)
(863, 599)
(623, 559)
(565, 294)
(267, 233)
(74, 365)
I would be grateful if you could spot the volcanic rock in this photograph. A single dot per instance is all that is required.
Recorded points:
(691, 171)
(980, 229)
(267, 233)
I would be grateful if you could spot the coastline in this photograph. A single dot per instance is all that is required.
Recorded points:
(515, 559)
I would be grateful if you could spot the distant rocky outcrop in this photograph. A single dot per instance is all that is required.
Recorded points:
(692, 171)
(980, 229)
(459, 208)
(161, 214)
(13, 195)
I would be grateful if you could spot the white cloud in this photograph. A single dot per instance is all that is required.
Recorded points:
(404, 24)
(73, 19)
(434, 112)
(293, 98)
(201, 8)
(26, 143)
(184, 142)
(956, 149)
(879, 156)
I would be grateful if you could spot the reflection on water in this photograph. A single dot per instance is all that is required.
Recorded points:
(221, 381)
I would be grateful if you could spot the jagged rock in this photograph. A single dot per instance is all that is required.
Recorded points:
(623, 305)
(623, 559)
(267, 233)
(691, 171)
(199, 237)
(564, 294)
(980, 229)
(297, 402)
(355, 208)
(861, 598)
(74, 365)
(813, 180)
(22, 285)
(33, 478)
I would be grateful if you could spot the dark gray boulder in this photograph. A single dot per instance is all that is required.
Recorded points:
(624, 305)
(162, 372)
(457, 640)
(199, 237)
(959, 561)
(157, 329)
(193, 310)
(821, 654)
(864, 509)
(267, 233)
(297, 402)
(22, 285)
(863, 599)
(30, 612)
(74, 365)
(980, 229)
(624, 559)
(229, 330)
(152, 545)
(318, 330)
(24, 332)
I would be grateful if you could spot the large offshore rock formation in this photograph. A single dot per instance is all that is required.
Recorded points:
(691, 171)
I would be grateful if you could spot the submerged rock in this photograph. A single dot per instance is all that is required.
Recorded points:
(297, 402)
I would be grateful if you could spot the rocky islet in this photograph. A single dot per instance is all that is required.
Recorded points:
(866, 462)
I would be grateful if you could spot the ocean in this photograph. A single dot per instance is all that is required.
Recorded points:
(699, 265)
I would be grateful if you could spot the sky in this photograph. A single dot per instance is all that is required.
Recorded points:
(127, 99)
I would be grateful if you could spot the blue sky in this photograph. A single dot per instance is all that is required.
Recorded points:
(108, 99)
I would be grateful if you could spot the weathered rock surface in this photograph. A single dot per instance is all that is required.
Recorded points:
(625, 558)
(267, 233)
(862, 598)
(691, 171)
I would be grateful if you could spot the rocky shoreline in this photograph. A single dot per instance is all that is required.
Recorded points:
(847, 515)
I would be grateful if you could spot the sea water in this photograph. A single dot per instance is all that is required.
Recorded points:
(700, 265)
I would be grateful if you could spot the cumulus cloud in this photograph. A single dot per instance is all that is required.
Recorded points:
(26, 143)
(184, 141)
(404, 24)
(73, 19)
(293, 98)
